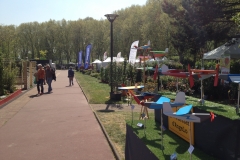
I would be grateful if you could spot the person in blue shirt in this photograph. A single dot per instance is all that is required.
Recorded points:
(70, 76)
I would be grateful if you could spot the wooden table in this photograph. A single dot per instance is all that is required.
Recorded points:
(130, 87)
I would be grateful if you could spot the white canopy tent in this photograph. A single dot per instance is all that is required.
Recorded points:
(157, 59)
(115, 59)
(216, 53)
(96, 61)
(108, 60)
(98, 64)
(164, 59)
(151, 60)
(121, 59)
(230, 48)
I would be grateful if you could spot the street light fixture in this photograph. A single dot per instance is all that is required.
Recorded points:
(111, 18)
(54, 50)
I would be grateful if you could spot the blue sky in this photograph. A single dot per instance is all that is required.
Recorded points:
(22, 11)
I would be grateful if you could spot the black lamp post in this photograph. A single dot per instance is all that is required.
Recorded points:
(111, 18)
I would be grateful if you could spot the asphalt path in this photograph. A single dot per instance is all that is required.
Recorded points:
(56, 126)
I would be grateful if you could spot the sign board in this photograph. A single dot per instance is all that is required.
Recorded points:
(133, 52)
(225, 62)
(190, 149)
(173, 156)
(132, 107)
(181, 127)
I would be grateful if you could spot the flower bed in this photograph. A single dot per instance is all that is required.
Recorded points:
(10, 97)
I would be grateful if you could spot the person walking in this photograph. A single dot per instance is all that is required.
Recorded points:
(44, 82)
(40, 79)
(70, 76)
(49, 77)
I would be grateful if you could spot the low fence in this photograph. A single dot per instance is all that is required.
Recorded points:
(27, 75)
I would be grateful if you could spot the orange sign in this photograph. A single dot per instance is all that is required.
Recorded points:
(181, 127)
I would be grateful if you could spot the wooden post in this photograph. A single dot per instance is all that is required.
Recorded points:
(30, 75)
(162, 148)
(144, 76)
(32, 71)
(190, 140)
(24, 74)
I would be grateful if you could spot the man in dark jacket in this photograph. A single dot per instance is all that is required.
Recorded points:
(70, 76)
(49, 77)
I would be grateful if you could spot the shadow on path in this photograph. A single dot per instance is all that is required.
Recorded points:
(33, 96)
(115, 106)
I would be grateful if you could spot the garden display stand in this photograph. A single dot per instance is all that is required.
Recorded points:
(184, 114)
(235, 78)
(179, 101)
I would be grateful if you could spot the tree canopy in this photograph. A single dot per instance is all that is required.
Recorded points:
(187, 27)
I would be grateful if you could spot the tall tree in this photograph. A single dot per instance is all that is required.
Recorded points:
(196, 22)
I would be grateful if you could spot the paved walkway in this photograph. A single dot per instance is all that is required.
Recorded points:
(56, 126)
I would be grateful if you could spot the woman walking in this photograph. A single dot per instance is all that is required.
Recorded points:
(40, 79)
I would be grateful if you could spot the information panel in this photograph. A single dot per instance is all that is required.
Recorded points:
(181, 127)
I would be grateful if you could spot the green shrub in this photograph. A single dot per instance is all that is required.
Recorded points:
(1, 77)
(88, 72)
(166, 80)
(124, 70)
(102, 74)
(9, 79)
(233, 91)
(96, 75)
(107, 74)
(234, 66)
(131, 73)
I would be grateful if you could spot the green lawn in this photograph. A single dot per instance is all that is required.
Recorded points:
(96, 92)
(219, 109)
(114, 122)
(171, 143)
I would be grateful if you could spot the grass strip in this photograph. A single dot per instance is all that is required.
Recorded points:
(115, 122)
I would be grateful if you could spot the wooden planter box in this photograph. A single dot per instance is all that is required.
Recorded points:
(116, 96)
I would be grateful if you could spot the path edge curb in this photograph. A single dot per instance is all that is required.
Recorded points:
(15, 96)
(101, 126)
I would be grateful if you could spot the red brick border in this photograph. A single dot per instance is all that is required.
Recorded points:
(11, 96)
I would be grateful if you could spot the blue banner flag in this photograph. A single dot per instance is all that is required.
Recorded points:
(79, 59)
(87, 56)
